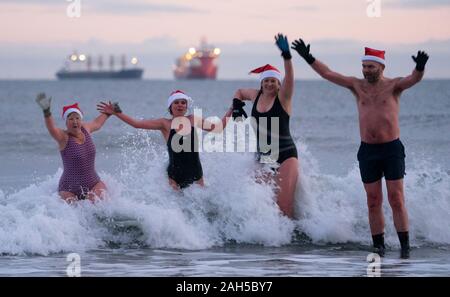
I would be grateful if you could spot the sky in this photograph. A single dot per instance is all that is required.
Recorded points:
(37, 35)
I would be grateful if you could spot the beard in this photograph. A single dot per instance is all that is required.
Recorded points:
(372, 77)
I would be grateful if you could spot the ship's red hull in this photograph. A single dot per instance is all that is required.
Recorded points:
(198, 68)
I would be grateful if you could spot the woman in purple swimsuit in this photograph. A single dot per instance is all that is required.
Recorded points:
(79, 179)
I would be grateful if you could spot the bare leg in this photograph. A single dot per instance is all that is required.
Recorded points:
(200, 182)
(374, 203)
(174, 184)
(397, 202)
(98, 191)
(68, 197)
(286, 180)
(399, 213)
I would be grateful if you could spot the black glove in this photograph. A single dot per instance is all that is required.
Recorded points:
(283, 44)
(421, 59)
(116, 107)
(238, 110)
(303, 50)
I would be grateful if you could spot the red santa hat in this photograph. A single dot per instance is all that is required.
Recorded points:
(374, 55)
(178, 95)
(267, 71)
(68, 109)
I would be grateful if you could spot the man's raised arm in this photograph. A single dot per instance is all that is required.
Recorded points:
(304, 51)
(417, 74)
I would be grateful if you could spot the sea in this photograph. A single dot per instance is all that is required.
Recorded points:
(232, 227)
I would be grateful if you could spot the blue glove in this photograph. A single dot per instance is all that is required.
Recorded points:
(283, 44)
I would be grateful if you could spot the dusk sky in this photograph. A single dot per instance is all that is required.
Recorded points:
(36, 35)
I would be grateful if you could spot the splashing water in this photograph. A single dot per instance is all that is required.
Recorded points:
(143, 210)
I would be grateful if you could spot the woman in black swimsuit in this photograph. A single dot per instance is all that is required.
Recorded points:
(180, 134)
(273, 101)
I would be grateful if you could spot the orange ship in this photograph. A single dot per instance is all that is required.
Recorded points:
(200, 63)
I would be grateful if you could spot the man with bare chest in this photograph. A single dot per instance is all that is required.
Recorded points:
(381, 152)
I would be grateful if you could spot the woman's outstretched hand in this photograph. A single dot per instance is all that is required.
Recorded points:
(283, 44)
(238, 110)
(106, 108)
(44, 102)
(303, 50)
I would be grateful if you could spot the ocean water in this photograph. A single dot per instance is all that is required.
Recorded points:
(232, 227)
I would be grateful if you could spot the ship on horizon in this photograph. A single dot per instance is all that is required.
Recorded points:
(80, 66)
(198, 63)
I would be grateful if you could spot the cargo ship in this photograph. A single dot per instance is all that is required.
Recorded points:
(80, 66)
(198, 63)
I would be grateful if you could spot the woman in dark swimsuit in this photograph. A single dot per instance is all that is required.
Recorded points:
(181, 137)
(273, 101)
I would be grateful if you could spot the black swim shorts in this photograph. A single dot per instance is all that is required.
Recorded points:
(383, 159)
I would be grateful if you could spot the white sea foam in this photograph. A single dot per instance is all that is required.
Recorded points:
(232, 207)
